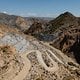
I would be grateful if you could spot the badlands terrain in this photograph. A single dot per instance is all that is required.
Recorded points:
(25, 56)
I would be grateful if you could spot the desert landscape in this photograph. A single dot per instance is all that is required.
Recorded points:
(24, 56)
(39, 40)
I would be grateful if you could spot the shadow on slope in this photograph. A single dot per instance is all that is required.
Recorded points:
(75, 48)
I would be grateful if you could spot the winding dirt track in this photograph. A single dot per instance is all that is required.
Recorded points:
(40, 59)
(27, 65)
(22, 74)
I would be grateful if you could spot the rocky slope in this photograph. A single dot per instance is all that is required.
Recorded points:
(68, 37)
(64, 20)
(22, 23)
(23, 57)
(52, 28)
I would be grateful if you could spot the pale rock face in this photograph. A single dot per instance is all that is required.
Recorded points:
(15, 40)
(21, 23)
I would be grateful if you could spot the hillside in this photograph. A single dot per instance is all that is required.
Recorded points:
(64, 20)
(68, 36)
(23, 57)
(14, 21)
(51, 29)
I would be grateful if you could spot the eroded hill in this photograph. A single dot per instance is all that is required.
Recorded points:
(68, 36)
(23, 57)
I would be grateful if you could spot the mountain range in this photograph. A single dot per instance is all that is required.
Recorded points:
(38, 48)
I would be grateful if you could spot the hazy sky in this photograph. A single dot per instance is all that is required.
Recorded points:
(40, 7)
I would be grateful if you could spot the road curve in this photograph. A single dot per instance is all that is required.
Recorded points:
(22, 74)
(27, 65)
(41, 61)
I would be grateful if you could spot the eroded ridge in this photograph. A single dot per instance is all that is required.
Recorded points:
(22, 59)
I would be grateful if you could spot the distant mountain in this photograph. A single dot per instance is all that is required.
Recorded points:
(49, 29)
(22, 23)
(14, 21)
(6, 19)
(35, 28)
(63, 20)
(41, 19)
(68, 38)
(39, 28)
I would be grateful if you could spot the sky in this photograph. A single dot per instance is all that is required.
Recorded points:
(41, 8)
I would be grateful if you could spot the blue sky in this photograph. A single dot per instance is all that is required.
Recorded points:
(45, 8)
